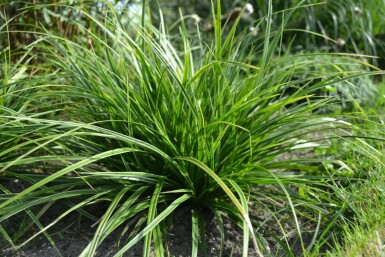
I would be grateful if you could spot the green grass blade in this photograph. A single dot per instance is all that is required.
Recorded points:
(153, 223)
(150, 217)
(228, 192)
(195, 233)
(245, 229)
(66, 170)
(102, 225)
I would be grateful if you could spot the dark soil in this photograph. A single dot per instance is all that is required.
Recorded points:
(74, 237)
(72, 234)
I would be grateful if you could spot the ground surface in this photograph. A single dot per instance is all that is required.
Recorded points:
(73, 239)
(71, 235)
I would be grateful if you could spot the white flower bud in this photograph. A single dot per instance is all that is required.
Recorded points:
(254, 31)
(341, 41)
(249, 9)
(196, 18)
(357, 10)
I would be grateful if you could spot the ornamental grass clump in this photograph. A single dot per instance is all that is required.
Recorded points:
(153, 127)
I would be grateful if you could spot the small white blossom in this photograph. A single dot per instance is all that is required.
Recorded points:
(249, 9)
(357, 10)
(196, 18)
(341, 41)
(254, 31)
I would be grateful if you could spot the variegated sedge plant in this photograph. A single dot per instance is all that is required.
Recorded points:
(153, 127)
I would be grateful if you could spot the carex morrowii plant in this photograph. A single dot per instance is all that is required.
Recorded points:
(155, 127)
